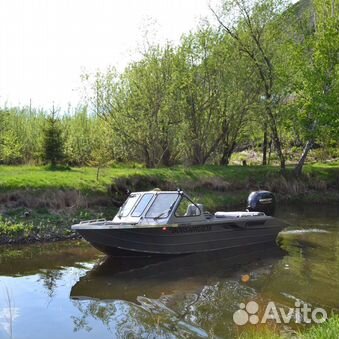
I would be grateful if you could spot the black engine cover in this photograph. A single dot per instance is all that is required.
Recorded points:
(261, 201)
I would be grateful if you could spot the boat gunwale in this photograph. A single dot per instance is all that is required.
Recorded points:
(208, 222)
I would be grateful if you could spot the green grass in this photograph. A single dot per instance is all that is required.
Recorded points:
(327, 330)
(84, 179)
(263, 333)
(29, 177)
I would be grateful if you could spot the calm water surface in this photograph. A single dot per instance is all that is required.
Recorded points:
(70, 290)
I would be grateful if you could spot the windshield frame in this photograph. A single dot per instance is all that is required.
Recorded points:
(170, 208)
(121, 212)
(192, 203)
(145, 207)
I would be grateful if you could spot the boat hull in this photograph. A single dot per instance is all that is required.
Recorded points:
(179, 240)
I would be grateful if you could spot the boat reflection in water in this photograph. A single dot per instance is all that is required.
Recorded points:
(196, 295)
(170, 297)
(153, 277)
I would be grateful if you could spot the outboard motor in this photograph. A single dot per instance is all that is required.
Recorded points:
(261, 201)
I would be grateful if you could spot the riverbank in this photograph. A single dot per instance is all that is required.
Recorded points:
(39, 204)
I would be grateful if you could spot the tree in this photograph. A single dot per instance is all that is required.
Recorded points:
(254, 32)
(53, 143)
(316, 69)
(215, 96)
(139, 106)
(11, 147)
(151, 105)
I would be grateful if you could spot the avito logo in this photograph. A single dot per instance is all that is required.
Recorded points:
(301, 313)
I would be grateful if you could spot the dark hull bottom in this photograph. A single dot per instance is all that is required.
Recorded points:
(119, 252)
(156, 242)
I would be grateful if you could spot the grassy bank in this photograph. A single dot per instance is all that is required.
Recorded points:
(316, 178)
(16, 226)
(327, 330)
(84, 179)
(39, 203)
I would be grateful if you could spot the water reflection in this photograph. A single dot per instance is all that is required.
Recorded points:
(69, 290)
(25, 260)
(175, 294)
(128, 278)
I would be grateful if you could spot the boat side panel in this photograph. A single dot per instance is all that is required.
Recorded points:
(181, 240)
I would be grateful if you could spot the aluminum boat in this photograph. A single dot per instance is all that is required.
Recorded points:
(171, 223)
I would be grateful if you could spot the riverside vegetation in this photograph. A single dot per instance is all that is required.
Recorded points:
(39, 203)
(258, 87)
(264, 76)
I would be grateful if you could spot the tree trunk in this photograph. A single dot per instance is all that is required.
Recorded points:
(166, 159)
(198, 154)
(299, 167)
(226, 155)
(147, 158)
(275, 138)
(98, 172)
(225, 159)
(269, 152)
(281, 156)
(264, 147)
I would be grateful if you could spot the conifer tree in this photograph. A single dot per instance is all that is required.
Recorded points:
(53, 144)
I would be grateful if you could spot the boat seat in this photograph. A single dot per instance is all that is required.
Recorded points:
(193, 210)
(202, 208)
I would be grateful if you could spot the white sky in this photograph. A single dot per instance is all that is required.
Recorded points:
(46, 44)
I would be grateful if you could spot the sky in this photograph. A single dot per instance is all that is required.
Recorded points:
(45, 45)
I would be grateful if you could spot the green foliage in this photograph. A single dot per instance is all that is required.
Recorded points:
(139, 108)
(312, 59)
(214, 110)
(267, 77)
(11, 229)
(178, 104)
(11, 148)
(315, 65)
(21, 134)
(53, 145)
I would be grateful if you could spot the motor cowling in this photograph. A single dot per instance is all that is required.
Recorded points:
(261, 201)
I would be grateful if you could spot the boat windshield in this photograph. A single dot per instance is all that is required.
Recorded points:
(162, 205)
(142, 204)
(128, 205)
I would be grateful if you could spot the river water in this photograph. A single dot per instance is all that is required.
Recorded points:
(69, 290)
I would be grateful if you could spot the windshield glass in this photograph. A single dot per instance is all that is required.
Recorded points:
(142, 204)
(128, 205)
(162, 205)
